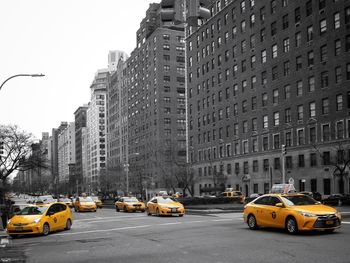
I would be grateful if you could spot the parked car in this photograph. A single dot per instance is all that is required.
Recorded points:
(337, 199)
(315, 195)
(251, 198)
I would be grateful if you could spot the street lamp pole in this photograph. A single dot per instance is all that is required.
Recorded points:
(21, 75)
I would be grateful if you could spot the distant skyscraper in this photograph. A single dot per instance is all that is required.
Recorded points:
(113, 58)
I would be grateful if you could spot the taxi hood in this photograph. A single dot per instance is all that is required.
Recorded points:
(316, 209)
(174, 204)
(24, 219)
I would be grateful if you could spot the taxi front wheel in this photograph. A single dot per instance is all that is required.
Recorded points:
(291, 225)
(46, 229)
(252, 222)
(68, 224)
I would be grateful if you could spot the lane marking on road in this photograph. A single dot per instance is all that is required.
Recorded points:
(141, 226)
(348, 223)
(111, 220)
(96, 218)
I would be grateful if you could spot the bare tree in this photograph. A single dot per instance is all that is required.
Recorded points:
(17, 148)
(341, 162)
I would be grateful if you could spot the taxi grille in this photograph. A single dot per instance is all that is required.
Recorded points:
(327, 221)
(21, 224)
(21, 231)
(136, 205)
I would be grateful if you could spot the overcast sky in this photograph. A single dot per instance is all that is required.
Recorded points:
(68, 41)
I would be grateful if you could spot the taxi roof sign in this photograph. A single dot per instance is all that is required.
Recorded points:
(283, 189)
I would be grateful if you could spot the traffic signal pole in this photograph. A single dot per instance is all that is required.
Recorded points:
(283, 164)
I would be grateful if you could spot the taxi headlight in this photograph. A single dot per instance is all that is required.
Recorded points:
(36, 221)
(305, 214)
(9, 222)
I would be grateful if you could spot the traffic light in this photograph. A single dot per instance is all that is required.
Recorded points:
(198, 9)
(171, 11)
(284, 150)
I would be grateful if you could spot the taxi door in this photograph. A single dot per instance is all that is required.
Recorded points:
(260, 210)
(152, 206)
(273, 215)
(52, 217)
(62, 215)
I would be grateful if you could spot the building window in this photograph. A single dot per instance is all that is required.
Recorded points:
(336, 20)
(286, 45)
(266, 164)
(300, 112)
(274, 73)
(300, 134)
(323, 26)
(277, 163)
(264, 99)
(289, 163)
(340, 130)
(287, 116)
(324, 79)
(301, 160)
(262, 35)
(312, 109)
(288, 139)
(313, 159)
(312, 134)
(276, 118)
(325, 132)
(297, 16)
(338, 77)
(326, 156)
(310, 58)
(311, 82)
(299, 88)
(265, 121)
(273, 28)
(339, 102)
(298, 62)
(263, 56)
(265, 143)
(310, 34)
(254, 145)
(323, 53)
(298, 39)
(275, 96)
(308, 8)
(285, 22)
(276, 141)
(274, 51)
(255, 166)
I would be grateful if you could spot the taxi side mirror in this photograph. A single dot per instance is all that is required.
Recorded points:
(281, 205)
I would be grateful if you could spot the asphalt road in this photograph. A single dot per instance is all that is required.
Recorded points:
(108, 236)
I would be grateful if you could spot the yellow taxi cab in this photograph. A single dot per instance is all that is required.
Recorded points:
(82, 203)
(293, 212)
(160, 205)
(67, 201)
(40, 219)
(234, 194)
(97, 201)
(129, 204)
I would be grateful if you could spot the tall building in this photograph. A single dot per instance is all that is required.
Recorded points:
(262, 74)
(66, 152)
(97, 131)
(76, 181)
(54, 152)
(151, 133)
(114, 56)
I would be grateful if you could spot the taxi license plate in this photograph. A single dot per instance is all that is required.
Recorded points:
(329, 222)
(18, 228)
(174, 210)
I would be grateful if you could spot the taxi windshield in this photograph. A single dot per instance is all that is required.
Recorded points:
(165, 200)
(95, 198)
(131, 199)
(33, 210)
(293, 200)
(85, 199)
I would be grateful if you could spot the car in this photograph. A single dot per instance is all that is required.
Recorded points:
(337, 199)
(67, 201)
(159, 205)
(129, 204)
(97, 201)
(251, 198)
(82, 203)
(45, 199)
(293, 212)
(315, 195)
(40, 219)
(233, 194)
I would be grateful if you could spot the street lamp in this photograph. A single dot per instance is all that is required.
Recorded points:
(22, 75)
